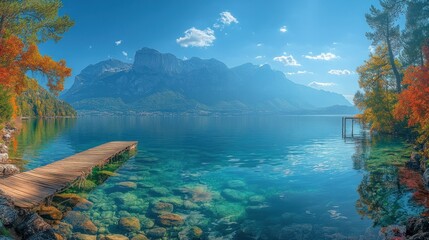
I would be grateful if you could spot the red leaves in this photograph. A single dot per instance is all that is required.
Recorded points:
(16, 60)
(413, 102)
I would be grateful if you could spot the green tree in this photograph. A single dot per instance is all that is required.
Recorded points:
(386, 31)
(34, 21)
(5, 106)
(416, 32)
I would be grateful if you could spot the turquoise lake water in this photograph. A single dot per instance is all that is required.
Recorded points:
(254, 177)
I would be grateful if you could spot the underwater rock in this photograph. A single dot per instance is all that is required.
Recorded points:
(159, 191)
(196, 232)
(130, 224)
(127, 199)
(107, 173)
(190, 205)
(80, 222)
(256, 199)
(235, 184)
(114, 237)
(146, 222)
(256, 209)
(139, 237)
(81, 236)
(233, 195)
(64, 229)
(73, 200)
(50, 213)
(296, 232)
(161, 208)
(171, 219)
(127, 185)
(158, 232)
(4, 157)
(88, 185)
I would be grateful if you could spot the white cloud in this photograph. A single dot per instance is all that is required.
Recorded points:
(226, 19)
(197, 38)
(259, 57)
(315, 84)
(119, 42)
(287, 60)
(299, 72)
(340, 72)
(125, 53)
(323, 56)
(283, 29)
(259, 45)
(371, 49)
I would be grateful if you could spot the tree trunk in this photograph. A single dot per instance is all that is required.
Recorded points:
(393, 65)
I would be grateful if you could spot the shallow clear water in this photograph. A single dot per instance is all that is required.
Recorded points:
(271, 177)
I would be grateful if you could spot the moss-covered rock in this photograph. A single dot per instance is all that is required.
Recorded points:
(129, 224)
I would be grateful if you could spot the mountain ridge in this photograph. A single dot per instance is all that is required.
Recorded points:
(162, 82)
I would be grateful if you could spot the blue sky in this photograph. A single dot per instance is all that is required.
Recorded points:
(318, 43)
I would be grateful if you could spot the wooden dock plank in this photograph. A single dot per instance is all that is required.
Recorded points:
(30, 189)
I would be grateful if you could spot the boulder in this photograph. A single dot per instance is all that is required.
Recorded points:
(4, 157)
(414, 162)
(32, 224)
(129, 224)
(80, 222)
(417, 225)
(171, 219)
(114, 237)
(7, 137)
(8, 214)
(235, 184)
(139, 237)
(156, 232)
(233, 195)
(81, 236)
(127, 185)
(50, 213)
(8, 169)
(161, 208)
(73, 200)
(3, 148)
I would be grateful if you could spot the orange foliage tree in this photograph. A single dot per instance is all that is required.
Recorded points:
(413, 103)
(17, 59)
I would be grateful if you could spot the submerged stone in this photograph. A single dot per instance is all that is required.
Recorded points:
(158, 232)
(81, 236)
(256, 199)
(235, 184)
(127, 185)
(50, 213)
(130, 224)
(160, 191)
(161, 208)
(233, 195)
(171, 219)
(114, 237)
(80, 222)
(139, 237)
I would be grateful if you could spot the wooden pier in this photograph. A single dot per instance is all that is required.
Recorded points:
(344, 125)
(32, 188)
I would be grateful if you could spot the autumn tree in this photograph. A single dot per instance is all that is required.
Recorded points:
(24, 24)
(5, 105)
(378, 99)
(413, 102)
(386, 32)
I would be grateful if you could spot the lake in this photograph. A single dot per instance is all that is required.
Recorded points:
(243, 177)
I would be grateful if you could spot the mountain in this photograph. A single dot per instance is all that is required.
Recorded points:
(158, 82)
(38, 102)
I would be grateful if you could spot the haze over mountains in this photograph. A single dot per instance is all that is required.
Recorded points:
(158, 82)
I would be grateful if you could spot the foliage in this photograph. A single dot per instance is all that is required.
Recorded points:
(413, 102)
(378, 99)
(16, 61)
(416, 32)
(37, 102)
(5, 105)
(386, 32)
(33, 21)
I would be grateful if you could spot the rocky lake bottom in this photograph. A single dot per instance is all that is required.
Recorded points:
(248, 177)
